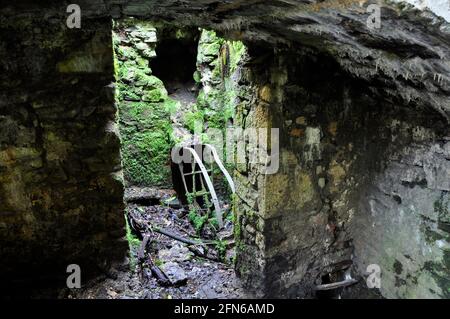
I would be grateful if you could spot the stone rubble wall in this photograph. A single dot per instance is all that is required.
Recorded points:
(151, 122)
(361, 182)
(61, 185)
(144, 107)
(219, 64)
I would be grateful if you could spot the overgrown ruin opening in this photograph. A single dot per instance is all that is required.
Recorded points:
(174, 85)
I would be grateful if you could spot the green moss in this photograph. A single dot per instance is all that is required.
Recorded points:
(171, 106)
(79, 64)
(217, 107)
(116, 61)
(141, 78)
(237, 229)
(134, 243)
(212, 48)
(197, 220)
(190, 198)
(126, 52)
(144, 110)
(124, 92)
(146, 157)
(214, 222)
(193, 120)
(155, 95)
(143, 64)
(221, 100)
(197, 77)
(209, 46)
(146, 142)
(230, 217)
(181, 34)
(238, 50)
(221, 249)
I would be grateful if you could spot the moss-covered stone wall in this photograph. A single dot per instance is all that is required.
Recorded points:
(365, 151)
(144, 106)
(219, 65)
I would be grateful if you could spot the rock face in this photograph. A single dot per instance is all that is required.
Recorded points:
(364, 125)
(219, 64)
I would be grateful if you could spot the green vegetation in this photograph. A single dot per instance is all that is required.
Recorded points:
(197, 220)
(145, 108)
(193, 120)
(238, 50)
(224, 57)
(216, 106)
(144, 112)
(134, 244)
(237, 229)
(221, 249)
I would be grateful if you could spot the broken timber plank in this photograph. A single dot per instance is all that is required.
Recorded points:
(335, 285)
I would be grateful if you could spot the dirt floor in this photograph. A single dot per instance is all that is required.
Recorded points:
(190, 276)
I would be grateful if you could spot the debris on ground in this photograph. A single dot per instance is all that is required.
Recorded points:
(168, 257)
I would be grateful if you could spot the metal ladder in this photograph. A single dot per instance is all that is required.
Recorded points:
(207, 191)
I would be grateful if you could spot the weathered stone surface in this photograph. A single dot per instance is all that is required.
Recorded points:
(334, 27)
(61, 187)
(402, 226)
(147, 194)
(175, 273)
(177, 253)
(313, 214)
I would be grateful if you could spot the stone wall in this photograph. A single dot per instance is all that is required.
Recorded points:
(361, 182)
(290, 234)
(152, 119)
(144, 106)
(61, 184)
(219, 63)
(402, 220)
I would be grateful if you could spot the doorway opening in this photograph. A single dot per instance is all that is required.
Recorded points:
(170, 90)
(176, 59)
